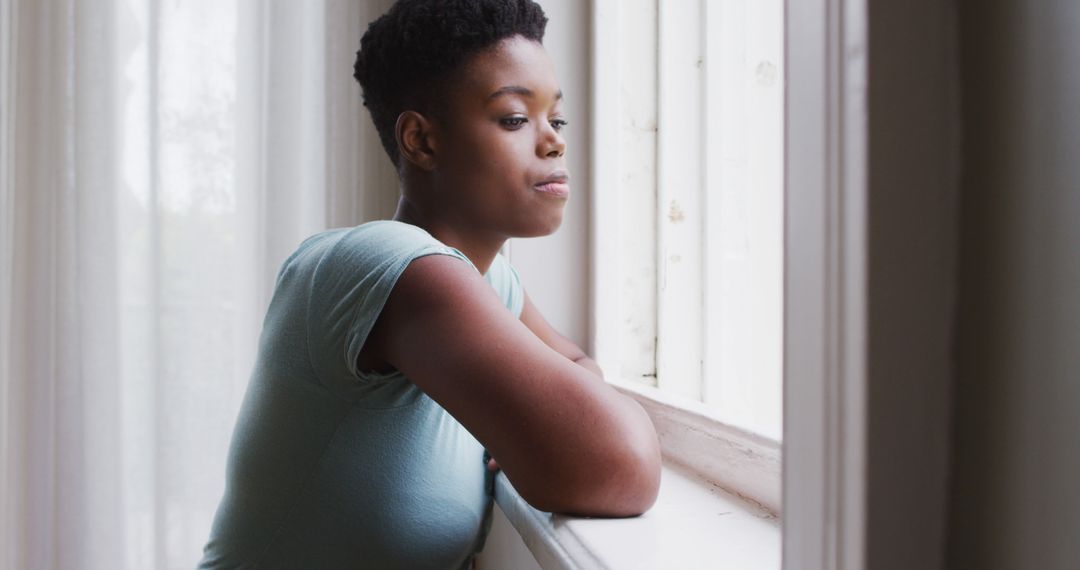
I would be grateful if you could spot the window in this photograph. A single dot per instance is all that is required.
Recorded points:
(688, 209)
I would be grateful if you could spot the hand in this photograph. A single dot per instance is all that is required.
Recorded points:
(492, 465)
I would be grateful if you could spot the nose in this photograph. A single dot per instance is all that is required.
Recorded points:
(551, 144)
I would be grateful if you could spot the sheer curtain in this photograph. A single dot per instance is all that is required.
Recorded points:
(158, 161)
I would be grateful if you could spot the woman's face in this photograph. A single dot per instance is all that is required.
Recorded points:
(500, 159)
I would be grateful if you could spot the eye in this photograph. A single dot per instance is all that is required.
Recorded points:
(558, 124)
(513, 122)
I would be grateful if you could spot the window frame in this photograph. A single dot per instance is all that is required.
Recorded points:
(691, 435)
(824, 454)
(658, 154)
(825, 298)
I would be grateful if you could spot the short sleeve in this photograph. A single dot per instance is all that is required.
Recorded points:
(350, 286)
(505, 280)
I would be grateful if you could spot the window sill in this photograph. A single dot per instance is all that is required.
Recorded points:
(692, 525)
(717, 507)
(740, 462)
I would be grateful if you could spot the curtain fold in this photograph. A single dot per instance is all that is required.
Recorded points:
(158, 160)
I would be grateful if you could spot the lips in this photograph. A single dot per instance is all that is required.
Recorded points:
(555, 184)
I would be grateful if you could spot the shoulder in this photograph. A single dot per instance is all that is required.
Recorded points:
(388, 238)
(364, 263)
(379, 247)
(345, 277)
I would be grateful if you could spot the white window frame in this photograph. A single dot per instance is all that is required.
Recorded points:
(824, 502)
(825, 377)
(742, 257)
(850, 485)
(622, 128)
(673, 149)
(825, 290)
(680, 203)
(624, 347)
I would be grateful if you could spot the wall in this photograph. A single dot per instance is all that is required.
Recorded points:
(913, 151)
(1016, 425)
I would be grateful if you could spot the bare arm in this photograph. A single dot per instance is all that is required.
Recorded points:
(564, 346)
(568, 442)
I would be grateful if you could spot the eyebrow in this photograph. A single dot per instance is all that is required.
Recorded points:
(518, 90)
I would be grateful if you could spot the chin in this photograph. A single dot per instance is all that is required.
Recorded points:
(540, 226)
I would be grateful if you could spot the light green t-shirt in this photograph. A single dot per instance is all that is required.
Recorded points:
(333, 468)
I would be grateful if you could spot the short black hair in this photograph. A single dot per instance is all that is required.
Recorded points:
(408, 53)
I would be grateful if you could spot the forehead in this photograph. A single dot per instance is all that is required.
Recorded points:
(516, 62)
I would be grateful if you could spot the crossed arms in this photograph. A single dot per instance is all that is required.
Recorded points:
(567, 441)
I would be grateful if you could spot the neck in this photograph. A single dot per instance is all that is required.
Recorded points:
(480, 247)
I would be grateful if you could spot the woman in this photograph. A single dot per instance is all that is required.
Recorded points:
(395, 352)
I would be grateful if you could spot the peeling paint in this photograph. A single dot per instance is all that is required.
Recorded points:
(675, 213)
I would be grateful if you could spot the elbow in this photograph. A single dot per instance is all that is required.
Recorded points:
(638, 488)
(640, 464)
(626, 487)
(624, 482)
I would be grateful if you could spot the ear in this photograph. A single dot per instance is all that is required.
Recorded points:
(416, 139)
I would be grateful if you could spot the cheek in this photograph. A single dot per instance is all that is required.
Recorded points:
(489, 169)
(501, 159)
(495, 158)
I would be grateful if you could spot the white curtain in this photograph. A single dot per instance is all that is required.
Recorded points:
(158, 161)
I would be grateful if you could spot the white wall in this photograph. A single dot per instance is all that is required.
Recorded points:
(1017, 426)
